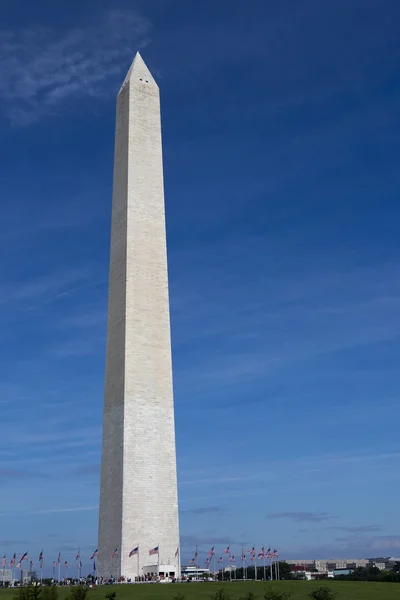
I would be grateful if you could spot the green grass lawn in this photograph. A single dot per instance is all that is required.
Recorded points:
(346, 590)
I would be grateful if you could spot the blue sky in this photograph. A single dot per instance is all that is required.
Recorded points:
(281, 152)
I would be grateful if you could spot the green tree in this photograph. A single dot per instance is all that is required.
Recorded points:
(220, 594)
(250, 596)
(284, 571)
(271, 594)
(322, 593)
(22, 594)
(111, 595)
(77, 592)
(50, 592)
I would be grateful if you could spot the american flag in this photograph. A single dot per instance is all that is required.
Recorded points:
(211, 552)
(23, 557)
(114, 554)
(31, 564)
(232, 559)
(243, 557)
(19, 565)
(12, 561)
(3, 561)
(134, 551)
(41, 556)
(268, 553)
(153, 551)
(252, 550)
(220, 560)
(192, 561)
(65, 564)
(78, 555)
(207, 561)
(95, 553)
(227, 550)
(252, 557)
(275, 553)
(59, 557)
(177, 552)
(54, 564)
(261, 554)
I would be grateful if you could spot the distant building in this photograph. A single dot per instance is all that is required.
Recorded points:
(189, 572)
(331, 565)
(5, 575)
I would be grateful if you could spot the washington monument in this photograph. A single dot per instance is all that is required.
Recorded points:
(138, 495)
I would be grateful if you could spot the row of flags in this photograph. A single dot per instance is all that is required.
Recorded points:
(252, 555)
(18, 565)
(135, 552)
(13, 562)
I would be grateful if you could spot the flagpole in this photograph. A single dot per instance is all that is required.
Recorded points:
(264, 564)
(59, 568)
(138, 562)
(255, 567)
(270, 566)
(158, 563)
(278, 567)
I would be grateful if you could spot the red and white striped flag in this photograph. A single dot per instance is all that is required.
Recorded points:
(211, 552)
(227, 550)
(220, 560)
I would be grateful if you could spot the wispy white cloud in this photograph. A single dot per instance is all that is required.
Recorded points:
(52, 510)
(302, 516)
(41, 69)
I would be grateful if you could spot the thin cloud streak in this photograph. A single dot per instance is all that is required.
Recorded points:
(42, 69)
(46, 511)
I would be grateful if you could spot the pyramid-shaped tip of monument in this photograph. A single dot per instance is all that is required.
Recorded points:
(138, 71)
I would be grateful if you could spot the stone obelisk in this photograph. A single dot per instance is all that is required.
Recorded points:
(138, 496)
